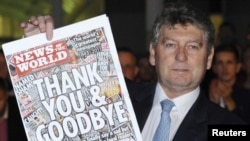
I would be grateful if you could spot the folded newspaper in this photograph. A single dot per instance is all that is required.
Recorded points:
(72, 88)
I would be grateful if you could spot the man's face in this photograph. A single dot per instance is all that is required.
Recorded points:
(181, 58)
(128, 64)
(146, 70)
(226, 66)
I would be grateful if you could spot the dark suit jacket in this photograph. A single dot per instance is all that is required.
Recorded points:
(241, 98)
(195, 125)
(16, 130)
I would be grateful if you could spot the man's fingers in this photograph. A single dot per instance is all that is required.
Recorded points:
(42, 23)
(38, 24)
(49, 27)
(23, 25)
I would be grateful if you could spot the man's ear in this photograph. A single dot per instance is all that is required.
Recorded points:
(152, 54)
(210, 58)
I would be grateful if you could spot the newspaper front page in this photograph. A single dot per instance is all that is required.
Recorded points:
(72, 88)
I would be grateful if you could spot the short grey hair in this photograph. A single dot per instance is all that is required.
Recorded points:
(183, 13)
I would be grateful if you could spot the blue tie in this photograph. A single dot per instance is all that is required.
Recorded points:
(162, 131)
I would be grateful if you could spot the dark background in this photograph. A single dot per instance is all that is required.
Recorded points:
(128, 18)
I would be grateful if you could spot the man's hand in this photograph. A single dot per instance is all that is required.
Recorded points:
(39, 24)
(214, 93)
(219, 89)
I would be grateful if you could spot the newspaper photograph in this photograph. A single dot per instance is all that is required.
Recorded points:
(72, 88)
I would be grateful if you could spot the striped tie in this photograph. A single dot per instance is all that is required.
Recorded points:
(162, 131)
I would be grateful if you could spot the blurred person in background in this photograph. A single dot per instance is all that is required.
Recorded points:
(246, 68)
(146, 70)
(226, 34)
(224, 89)
(128, 62)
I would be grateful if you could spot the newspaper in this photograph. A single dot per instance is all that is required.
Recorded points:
(72, 88)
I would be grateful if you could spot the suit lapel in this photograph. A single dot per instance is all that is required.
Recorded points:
(194, 122)
(142, 98)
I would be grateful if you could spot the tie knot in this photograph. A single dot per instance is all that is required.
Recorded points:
(166, 105)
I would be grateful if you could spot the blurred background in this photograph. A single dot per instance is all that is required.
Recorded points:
(131, 20)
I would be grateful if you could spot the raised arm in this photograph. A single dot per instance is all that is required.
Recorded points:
(38, 24)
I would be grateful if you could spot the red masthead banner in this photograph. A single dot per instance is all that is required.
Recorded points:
(40, 58)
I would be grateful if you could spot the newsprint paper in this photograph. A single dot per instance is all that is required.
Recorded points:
(72, 88)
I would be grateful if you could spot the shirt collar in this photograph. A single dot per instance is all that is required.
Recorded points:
(182, 103)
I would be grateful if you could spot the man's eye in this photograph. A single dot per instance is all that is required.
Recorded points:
(193, 47)
(169, 45)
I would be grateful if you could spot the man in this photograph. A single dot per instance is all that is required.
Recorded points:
(246, 67)
(181, 50)
(223, 89)
(128, 62)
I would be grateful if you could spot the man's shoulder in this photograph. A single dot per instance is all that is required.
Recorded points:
(140, 90)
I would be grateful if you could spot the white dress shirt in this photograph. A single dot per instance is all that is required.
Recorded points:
(182, 105)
